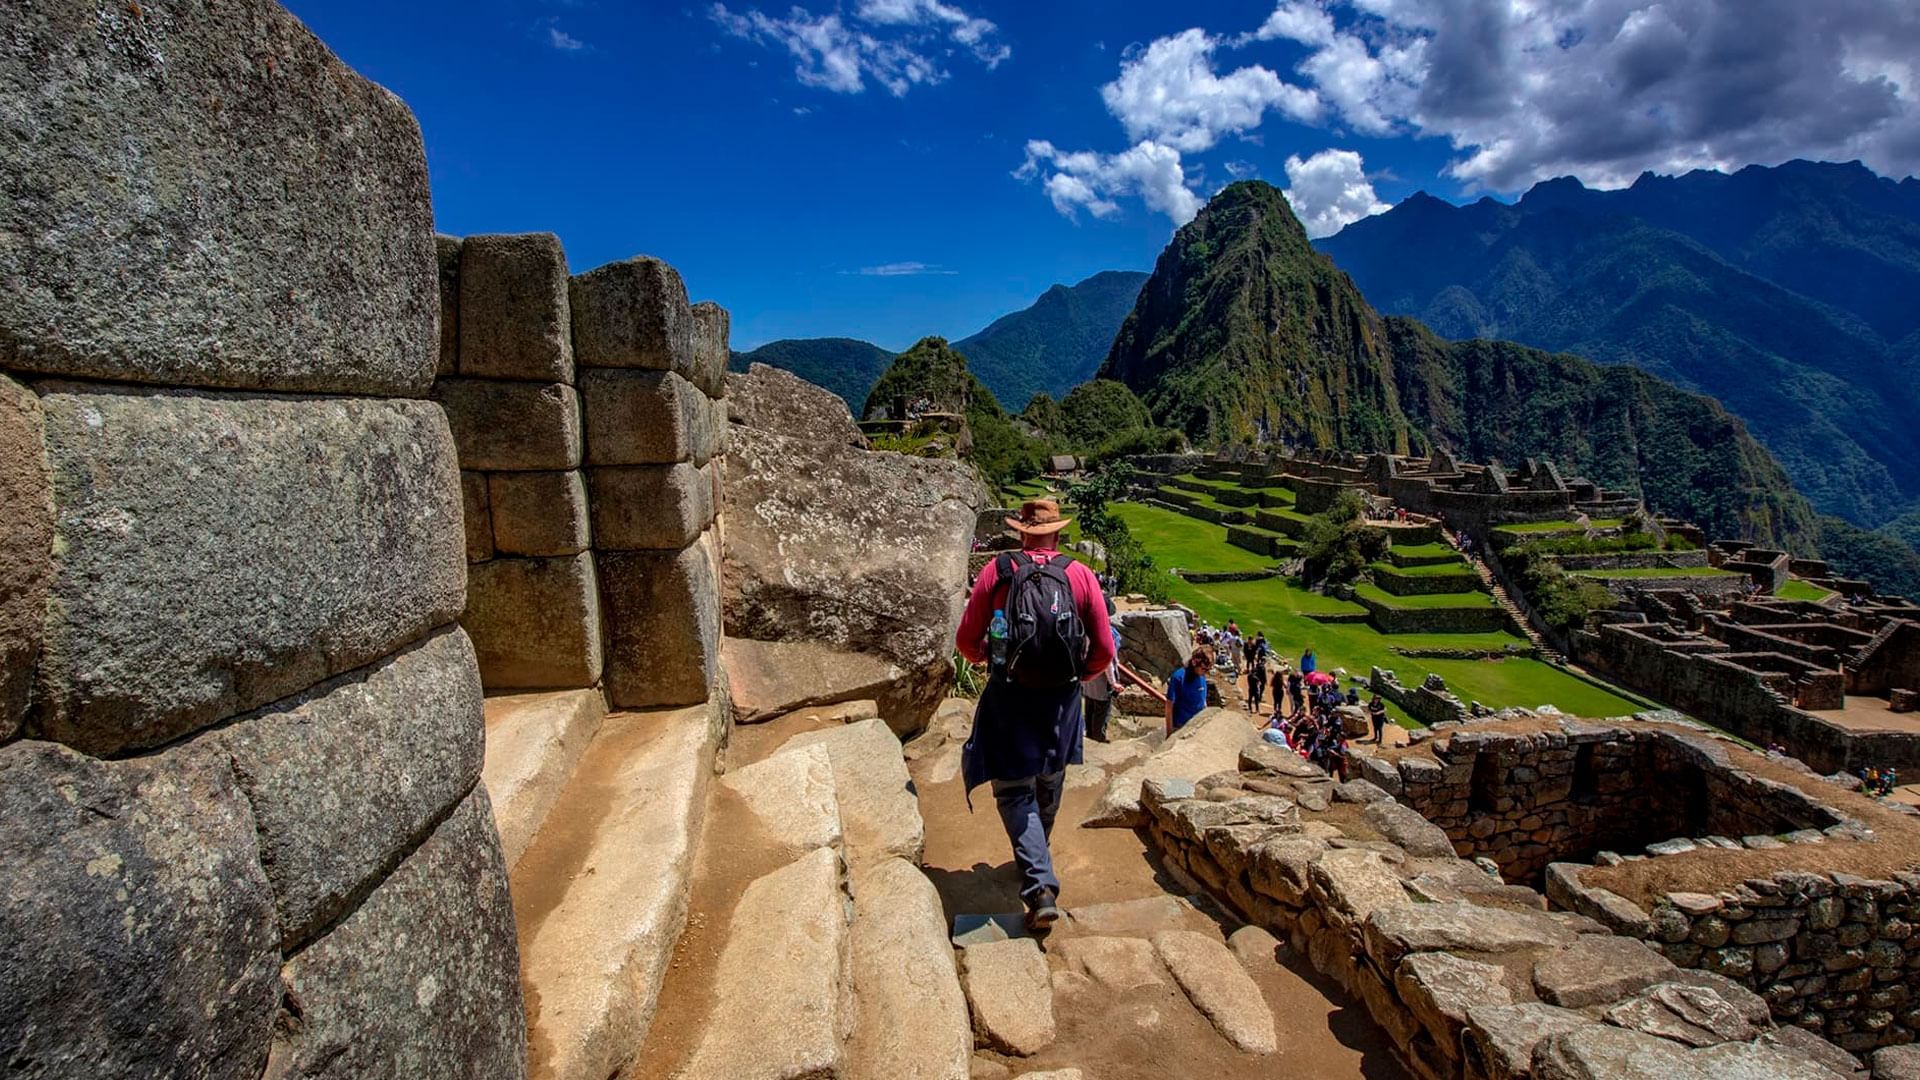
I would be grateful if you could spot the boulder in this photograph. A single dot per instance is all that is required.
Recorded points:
(855, 550)
(1349, 883)
(409, 731)
(910, 1015)
(541, 514)
(1500, 1039)
(26, 548)
(1897, 1062)
(183, 596)
(1208, 744)
(1115, 964)
(423, 978)
(770, 399)
(535, 623)
(204, 195)
(512, 425)
(791, 798)
(1600, 1052)
(136, 926)
(1153, 643)
(1010, 995)
(1762, 1061)
(632, 314)
(1695, 1015)
(1440, 989)
(1597, 969)
(514, 321)
(793, 966)
(662, 624)
(1257, 949)
(1219, 987)
(1402, 825)
(773, 678)
(878, 807)
(1395, 930)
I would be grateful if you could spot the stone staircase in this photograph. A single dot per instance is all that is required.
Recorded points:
(1514, 611)
(773, 923)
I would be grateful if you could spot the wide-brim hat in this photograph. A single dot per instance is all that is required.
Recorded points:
(1038, 517)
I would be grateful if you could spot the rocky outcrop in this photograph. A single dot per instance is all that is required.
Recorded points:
(852, 549)
(1209, 743)
(1153, 643)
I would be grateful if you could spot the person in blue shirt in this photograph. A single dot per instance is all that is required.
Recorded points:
(1187, 690)
(1307, 661)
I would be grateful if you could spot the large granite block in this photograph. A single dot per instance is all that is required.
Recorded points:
(347, 776)
(447, 249)
(535, 623)
(632, 314)
(540, 514)
(477, 516)
(645, 418)
(712, 330)
(26, 548)
(650, 507)
(663, 625)
(423, 978)
(136, 926)
(202, 194)
(512, 425)
(513, 302)
(220, 552)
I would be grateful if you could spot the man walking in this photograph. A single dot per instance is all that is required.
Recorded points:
(1040, 622)
(1257, 653)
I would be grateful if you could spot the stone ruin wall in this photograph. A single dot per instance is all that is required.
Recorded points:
(590, 417)
(1466, 975)
(240, 725)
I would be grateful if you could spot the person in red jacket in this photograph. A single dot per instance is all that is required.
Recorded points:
(1025, 737)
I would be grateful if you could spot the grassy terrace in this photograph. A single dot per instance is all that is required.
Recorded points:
(1534, 528)
(1456, 568)
(1284, 611)
(1658, 572)
(1434, 600)
(1795, 589)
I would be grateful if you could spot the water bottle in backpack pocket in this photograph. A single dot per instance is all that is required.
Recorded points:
(1046, 641)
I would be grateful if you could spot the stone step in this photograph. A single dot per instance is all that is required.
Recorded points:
(533, 743)
(600, 896)
(910, 1015)
(782, 1005)
(878, 806)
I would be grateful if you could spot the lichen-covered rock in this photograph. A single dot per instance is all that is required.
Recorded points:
(772, 399)
(1500, 1039)
(645, 418)
(183, 596)
(633, 314)
(514, 322)
(167, 218)
(353, 772)
(136, 927)
(26, 548)
(1153, 643)
(1597, 969)
(1402, 825)
(1393, 931)
(512, 425)
(422, 979)
(853, 549)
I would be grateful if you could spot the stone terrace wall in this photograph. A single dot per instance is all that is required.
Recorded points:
(240, 729)
(589, 413)
(1468, 977)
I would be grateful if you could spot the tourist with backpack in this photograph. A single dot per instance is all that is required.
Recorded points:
(1038, 620)
(1187, 689)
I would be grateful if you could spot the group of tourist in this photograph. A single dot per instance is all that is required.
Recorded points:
(1879, 780)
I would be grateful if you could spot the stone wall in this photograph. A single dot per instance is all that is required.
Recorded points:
(1466, 976)
(590, 415)
(240, 727)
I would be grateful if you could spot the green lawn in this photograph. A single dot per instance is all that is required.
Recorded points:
(1658, 572)
(1284, 611)
(1795, 589)
(1434, 600)
(1423, 551)
(1452, 569)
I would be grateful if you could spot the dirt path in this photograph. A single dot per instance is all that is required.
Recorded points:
(1148, 1033)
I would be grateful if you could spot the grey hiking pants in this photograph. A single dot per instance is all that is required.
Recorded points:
(1027, 809)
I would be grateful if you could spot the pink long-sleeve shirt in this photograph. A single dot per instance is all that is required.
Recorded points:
(990, 594)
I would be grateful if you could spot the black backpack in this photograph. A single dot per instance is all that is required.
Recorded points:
(1046, 641)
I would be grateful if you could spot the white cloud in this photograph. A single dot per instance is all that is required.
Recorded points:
(1607, 89)
(1084, 180)
(1330, 191)
(564, 41)
(1170, 94)
(903, 269)
(892, 45)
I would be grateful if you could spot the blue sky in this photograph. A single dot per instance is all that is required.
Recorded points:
(887, 169)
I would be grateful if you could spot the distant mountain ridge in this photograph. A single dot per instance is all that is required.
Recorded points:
(1245, 330)
(1050, 346)
(1788, 293)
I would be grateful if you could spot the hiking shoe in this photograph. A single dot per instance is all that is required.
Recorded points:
(1042, 913)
